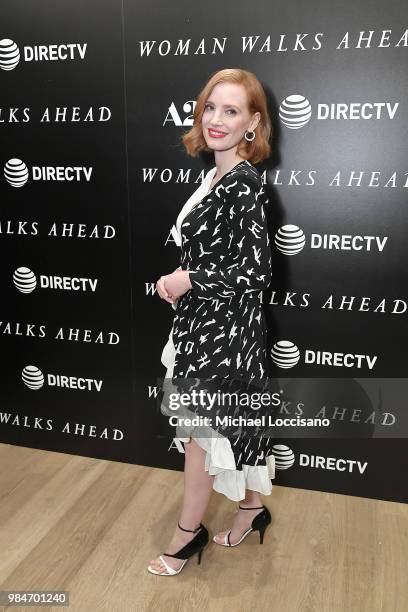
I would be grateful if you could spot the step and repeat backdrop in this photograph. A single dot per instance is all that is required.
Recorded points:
(95, 98)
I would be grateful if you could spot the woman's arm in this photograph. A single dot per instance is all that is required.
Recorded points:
(249, 246)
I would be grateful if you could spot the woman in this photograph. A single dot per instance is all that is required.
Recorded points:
(219, 331)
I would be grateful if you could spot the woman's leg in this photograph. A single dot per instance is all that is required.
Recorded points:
(243, 518)
(198, 486)
(252, 498)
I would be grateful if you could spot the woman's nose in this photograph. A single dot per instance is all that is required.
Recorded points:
(216, 118)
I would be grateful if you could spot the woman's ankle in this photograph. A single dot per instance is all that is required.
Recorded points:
(251, 502)
(188, 529)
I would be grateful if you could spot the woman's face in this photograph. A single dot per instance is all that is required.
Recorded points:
(226, 116)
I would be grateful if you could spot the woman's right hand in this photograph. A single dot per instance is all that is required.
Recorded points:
(162, 291)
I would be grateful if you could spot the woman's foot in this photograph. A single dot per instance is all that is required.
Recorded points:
(242, 522)
(180, 539)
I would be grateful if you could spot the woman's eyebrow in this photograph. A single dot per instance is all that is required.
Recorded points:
(224, 105)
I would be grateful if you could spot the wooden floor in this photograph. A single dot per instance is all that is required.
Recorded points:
(90, 527)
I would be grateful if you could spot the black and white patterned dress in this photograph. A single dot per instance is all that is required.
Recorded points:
(219, 330)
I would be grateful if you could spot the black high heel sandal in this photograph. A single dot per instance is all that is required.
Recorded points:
(260, 523)
(197, 545)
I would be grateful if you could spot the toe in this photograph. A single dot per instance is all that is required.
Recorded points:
(157, 565)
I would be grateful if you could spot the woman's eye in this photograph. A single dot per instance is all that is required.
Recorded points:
(230, 110)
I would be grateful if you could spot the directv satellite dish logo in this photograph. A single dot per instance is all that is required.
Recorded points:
(32, 377)
(284, 456)
(9, 54)
(24, 280)
(285, 354)
(295, 111)
(290, 240)
(16, 172)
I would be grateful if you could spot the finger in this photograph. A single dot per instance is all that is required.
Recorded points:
(164, 294)
(162, 286)
(159, 284)
(161, 293)
(168, 299)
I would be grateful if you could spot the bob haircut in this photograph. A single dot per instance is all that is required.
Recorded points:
(259, 148)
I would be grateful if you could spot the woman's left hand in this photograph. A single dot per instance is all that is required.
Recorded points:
(177, 283)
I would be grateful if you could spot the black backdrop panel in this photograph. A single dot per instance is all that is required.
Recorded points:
(84, 331)
(137, 68)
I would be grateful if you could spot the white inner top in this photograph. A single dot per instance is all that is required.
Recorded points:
(194, 199)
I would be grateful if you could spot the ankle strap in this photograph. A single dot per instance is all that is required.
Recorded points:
(256, 508)
(191, 530)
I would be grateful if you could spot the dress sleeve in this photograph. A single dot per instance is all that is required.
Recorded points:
(248, 248)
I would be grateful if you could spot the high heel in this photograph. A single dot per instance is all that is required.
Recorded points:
(260, 523)
(196, 545)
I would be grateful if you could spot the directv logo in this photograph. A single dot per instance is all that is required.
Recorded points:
(285, 354)
(25, 281)
(295, 111)
(10, 53)
(290, 240)
(284, 456)
(34, 379)
(16, 173)
(285, 459)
